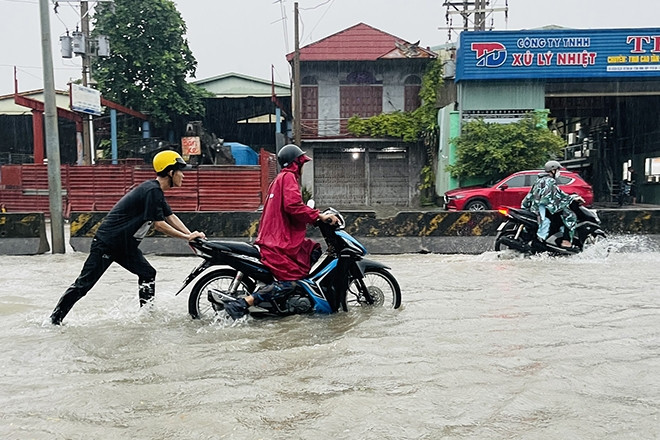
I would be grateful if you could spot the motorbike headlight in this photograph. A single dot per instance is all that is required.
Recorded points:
(592, 212)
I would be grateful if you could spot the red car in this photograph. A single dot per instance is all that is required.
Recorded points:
(511, 190)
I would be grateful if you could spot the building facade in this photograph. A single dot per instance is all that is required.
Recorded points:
(599, 87)
(360, 71)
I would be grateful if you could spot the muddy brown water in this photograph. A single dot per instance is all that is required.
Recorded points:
(490, 346)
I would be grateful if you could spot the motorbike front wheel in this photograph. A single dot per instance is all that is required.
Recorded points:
(593, 239)
(199, 306)
(381, 286)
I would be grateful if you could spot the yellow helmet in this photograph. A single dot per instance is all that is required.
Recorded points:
(166, 160)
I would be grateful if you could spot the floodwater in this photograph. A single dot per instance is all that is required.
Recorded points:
(490, 346)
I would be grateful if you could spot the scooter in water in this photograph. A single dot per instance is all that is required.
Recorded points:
(518, 231)
(339, 279)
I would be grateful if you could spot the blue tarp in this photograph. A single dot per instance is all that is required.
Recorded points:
(243, 154)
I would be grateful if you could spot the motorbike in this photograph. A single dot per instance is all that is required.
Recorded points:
(518, 231)
(339, 279)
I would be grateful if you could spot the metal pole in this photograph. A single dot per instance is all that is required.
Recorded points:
(88, 156)
(113, 135)
(297, 103)
(465, 15)
(480, 15)
(52, 135)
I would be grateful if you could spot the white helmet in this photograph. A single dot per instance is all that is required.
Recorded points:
(552, 165)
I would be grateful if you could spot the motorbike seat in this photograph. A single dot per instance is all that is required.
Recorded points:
(237, 247)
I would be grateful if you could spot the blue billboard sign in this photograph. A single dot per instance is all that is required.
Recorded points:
(559, 53)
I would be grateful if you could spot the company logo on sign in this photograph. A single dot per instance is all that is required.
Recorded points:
(489, 54)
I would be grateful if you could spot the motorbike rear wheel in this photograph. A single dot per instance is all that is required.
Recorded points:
(382, 287)
(508, 233)
(499, 245)
(199, 306)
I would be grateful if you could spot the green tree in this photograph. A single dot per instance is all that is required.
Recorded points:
(150, 59)
(495, 150)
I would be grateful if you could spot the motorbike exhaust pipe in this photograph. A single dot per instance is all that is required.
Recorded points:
(514, 244)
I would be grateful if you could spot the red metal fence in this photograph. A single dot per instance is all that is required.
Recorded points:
(24, 188)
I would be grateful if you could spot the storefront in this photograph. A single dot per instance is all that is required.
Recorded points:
(600, 87)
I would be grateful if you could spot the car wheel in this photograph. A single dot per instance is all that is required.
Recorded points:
(477, 205)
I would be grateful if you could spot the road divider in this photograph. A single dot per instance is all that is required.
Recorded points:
(23, 234)
(469, 232)
(407, 232)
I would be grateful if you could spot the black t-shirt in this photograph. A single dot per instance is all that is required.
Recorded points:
(131, 218)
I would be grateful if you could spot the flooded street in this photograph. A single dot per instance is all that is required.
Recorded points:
(490, 346)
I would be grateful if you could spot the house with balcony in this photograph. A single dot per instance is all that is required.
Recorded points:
(360, 71)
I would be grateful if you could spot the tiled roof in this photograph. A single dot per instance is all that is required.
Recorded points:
(236, 85)
(361, 43)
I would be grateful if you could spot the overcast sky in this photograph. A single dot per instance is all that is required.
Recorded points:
(248, 36)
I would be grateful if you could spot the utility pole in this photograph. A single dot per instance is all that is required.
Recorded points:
(52, 134)
(475, 11)
(297, 99)
(88, 155)
(480, 15)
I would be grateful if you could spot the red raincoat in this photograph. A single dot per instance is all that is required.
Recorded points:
(283, 225)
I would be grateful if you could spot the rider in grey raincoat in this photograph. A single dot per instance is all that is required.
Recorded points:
(545, 198)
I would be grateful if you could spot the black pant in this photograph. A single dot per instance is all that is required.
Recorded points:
(101, 256)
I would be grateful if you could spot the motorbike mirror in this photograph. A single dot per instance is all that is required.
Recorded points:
(311, 203)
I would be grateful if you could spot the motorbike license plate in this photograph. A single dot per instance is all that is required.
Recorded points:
(501, 226)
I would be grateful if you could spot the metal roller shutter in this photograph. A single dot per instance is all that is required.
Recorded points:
(339, 178)
(389, 177)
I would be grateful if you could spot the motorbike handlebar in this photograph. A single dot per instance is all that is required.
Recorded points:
(577, 198)
(199, 240)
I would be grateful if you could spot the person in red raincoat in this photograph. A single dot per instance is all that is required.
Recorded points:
(282, 240)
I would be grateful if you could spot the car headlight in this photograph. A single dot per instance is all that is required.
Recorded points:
(457, 196)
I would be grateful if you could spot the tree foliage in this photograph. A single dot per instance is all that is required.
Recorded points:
(418, 125)
(495, 150)
(402, 125)
(150, 59)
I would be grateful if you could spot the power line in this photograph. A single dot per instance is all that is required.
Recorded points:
(322, 16)
(473, 12)
(283, 19)
(317, 6)
(39, 67)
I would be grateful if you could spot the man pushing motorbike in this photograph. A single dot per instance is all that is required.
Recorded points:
(122, 230)
(282, 240)
(545, 198)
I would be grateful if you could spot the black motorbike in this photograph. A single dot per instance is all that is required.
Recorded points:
(518, 231)
(340, 278)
